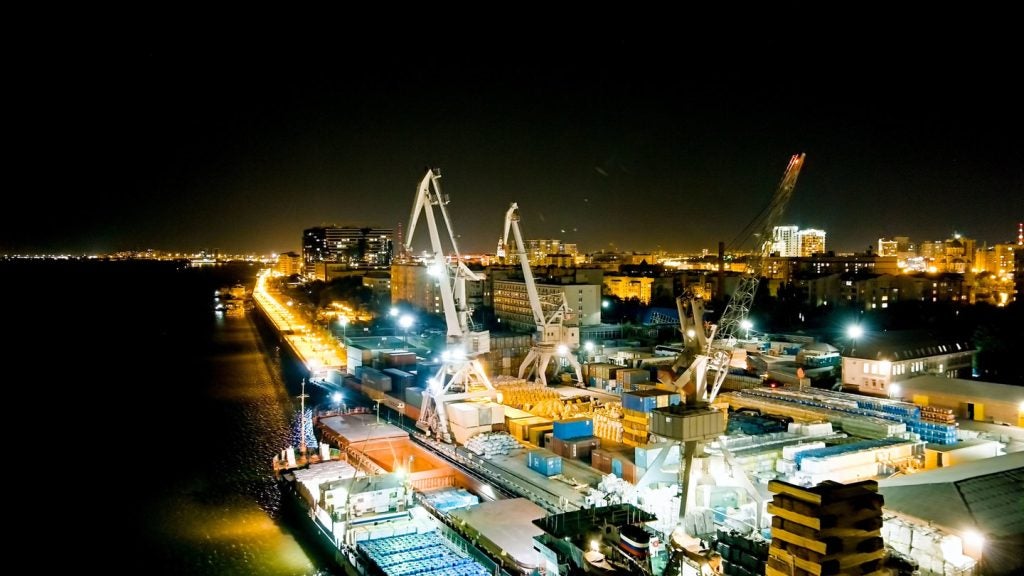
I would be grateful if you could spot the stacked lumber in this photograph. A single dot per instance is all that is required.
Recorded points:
(831, 529)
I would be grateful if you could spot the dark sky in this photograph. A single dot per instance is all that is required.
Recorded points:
(612, 143)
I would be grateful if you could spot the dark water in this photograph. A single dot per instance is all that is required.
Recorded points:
(159, 421)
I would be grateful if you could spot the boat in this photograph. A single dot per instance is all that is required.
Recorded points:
(367, 522)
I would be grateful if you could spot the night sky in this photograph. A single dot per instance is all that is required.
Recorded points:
(611, 143)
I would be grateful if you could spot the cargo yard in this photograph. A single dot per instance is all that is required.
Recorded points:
(615, 469)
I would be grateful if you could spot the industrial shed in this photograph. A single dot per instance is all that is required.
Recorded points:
(969, 399)
(983, 498)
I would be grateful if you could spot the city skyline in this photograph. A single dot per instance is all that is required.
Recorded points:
(608, 145)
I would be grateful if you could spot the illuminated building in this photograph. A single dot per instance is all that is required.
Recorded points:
(348, 245)
(811, 242)
(785, 241)
(626, 287)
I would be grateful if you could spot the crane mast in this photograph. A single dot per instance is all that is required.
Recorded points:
(736, 312)
(555, 334)
(461, 375)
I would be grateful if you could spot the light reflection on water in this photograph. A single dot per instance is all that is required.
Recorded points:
(226, 519)
(166, 422)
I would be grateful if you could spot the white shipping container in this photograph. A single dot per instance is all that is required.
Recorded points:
(463, 414)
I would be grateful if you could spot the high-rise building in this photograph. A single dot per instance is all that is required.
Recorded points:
(349, 245)
(785, 241)
(537, 250)
(811, 242)
(289, 263)
(512, 303)
(888, 247)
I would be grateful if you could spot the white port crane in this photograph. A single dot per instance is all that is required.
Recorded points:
(699, 355)
(461, 376)
(557, 332)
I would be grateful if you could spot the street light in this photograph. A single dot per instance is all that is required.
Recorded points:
(854, 331)
(405, 322)
(336, 398)
(344, 329)
(746, 325)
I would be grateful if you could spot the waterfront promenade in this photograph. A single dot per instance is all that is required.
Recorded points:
(314, 347)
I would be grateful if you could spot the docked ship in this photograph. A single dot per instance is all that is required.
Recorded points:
(367, 520)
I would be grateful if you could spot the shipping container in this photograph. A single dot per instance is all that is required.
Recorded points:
(544, 462)
(601, 460)
(466, 414)
(520, 427)
(400, 379)
(414, 396)
(647, 400)
(681, 423)
(576, 448)
(375, 379)
(574, 428)
(537, 433)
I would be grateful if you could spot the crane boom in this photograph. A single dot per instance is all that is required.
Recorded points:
(461, 376)
(555, 333)
(738, 309)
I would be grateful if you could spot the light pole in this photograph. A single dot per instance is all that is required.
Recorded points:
(344, 330)
(336, 397)
(746, 325)
(405, 322)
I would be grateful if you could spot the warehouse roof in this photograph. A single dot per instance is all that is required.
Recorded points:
(984, 494)
(898, 345)
(976, 389)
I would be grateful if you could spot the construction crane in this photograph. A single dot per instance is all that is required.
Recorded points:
(557, 332)
(461, 376)
(734, 318)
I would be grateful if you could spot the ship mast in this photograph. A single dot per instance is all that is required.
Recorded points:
(302, 418)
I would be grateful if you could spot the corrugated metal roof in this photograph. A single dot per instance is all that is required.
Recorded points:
(895, 345)
(987, 495)
(979, 391)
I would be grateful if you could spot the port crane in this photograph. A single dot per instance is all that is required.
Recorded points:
(702, 354)
(699, 356)
(557, 332)
(734, 318)
(461, 376)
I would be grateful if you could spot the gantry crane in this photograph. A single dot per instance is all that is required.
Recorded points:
(556, 333)
(461, 376)
(736, 312)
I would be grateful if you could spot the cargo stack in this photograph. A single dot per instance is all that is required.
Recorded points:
(938, 415)
(413, 396)
(826, 530)
(574, 438)
(466, 419)
(400, 380)
(636, 410)
(601, 375)
(742, 555)
(521, 428)
(401, 360)
(375, 379)
(631, 379)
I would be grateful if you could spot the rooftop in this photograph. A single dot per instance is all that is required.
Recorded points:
(984, 494)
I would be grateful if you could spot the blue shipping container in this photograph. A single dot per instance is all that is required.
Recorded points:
(544, 461)
(573, 428)
(617, 467)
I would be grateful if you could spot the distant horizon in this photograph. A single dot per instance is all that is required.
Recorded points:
(659, 142)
